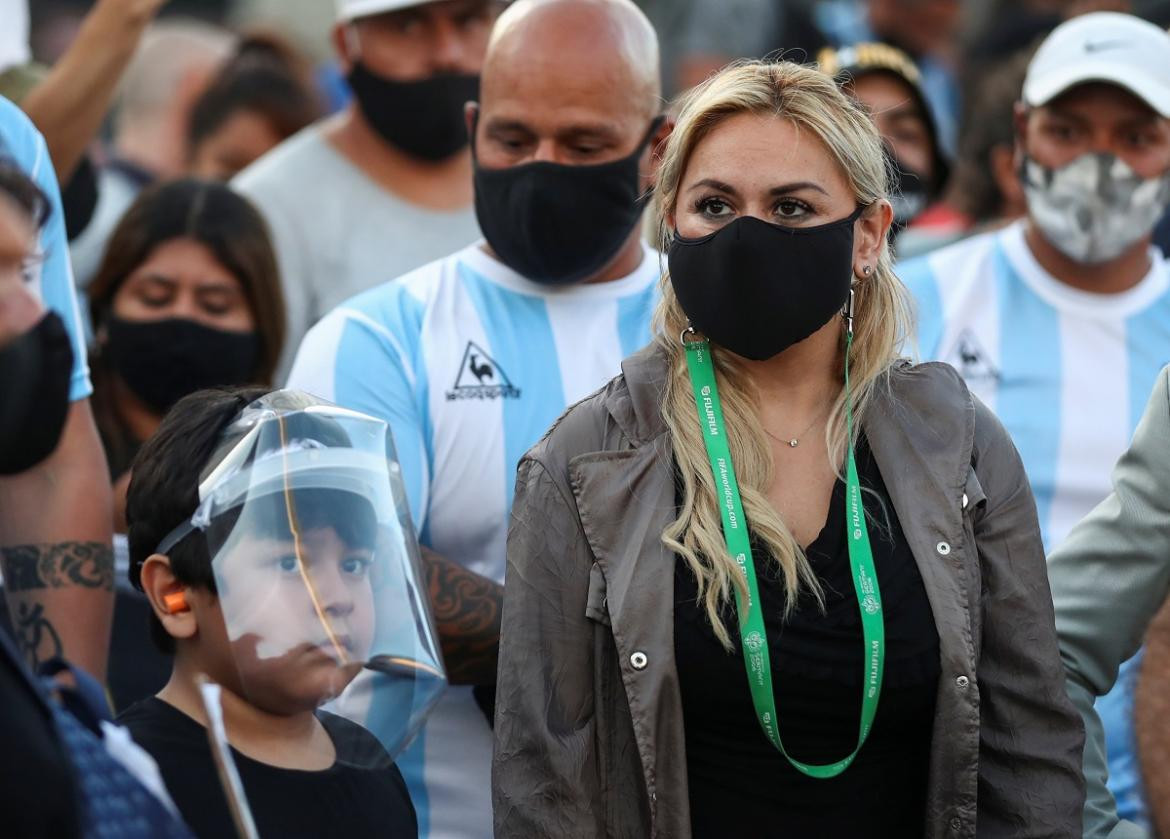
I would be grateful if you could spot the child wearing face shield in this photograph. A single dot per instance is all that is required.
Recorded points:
(272, 558)
(1061, 321)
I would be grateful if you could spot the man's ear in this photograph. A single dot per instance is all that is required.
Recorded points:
(167, 597)
(1020, 114)
(346, 45)
(471, 117)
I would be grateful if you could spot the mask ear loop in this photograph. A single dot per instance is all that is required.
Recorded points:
(847, 314)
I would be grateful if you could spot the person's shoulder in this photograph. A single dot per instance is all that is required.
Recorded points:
(622, 414)
(584, 428)
(359, 750)
(354, 744)
(390, 315)
(412, 291)
(930, 385)
(940, 391)
(931, 394)
(162, 729)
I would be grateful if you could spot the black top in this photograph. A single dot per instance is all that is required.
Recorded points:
(740, 785)
(361, 795)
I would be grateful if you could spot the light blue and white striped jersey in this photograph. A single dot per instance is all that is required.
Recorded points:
(470, 364)
(1068, 372)
(23, 144)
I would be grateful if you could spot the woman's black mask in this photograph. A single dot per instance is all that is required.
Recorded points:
(161, 361)
(757, 288)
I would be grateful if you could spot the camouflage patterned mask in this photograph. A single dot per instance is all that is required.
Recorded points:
(1095, 207)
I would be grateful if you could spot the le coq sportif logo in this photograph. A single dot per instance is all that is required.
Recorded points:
(481, 377)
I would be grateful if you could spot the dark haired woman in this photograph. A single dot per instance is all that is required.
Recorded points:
(187, 297)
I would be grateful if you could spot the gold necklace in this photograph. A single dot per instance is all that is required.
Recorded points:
(795, 441)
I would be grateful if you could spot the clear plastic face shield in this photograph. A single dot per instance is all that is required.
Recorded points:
(317, 571)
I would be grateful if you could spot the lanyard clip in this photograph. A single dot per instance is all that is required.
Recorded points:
(847, 313)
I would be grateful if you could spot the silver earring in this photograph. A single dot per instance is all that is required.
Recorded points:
(866, 270)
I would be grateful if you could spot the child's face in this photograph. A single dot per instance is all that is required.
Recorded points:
(299, 629)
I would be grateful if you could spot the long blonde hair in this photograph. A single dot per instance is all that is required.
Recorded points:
(813, 103)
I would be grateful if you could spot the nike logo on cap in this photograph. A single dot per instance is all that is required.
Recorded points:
(1101, 46)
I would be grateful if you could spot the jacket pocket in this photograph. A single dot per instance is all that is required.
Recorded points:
(596, 605)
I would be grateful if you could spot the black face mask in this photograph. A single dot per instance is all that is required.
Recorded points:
(757, 288)
(558, 224)
(161, 361)
(35, 371)
(423, 118)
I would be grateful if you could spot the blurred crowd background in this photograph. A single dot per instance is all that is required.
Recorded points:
(150, 107)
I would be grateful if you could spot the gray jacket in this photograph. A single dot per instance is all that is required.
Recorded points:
(589, 723)
(1109, 578)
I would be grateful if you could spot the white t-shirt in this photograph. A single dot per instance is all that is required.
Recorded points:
(470, 364)
(337, 233)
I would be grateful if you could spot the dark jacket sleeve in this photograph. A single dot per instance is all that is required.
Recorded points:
(1030, 781)
(544, 770)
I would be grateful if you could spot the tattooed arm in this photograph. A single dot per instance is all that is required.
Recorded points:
(55, 531)
(467, 612)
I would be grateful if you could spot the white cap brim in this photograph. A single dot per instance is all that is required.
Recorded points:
(352, 9)
(1043, 89)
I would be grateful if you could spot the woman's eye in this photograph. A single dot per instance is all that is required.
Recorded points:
(155, 300)
(217, 309)
(791, 209)
(357, 566)
(713, 207)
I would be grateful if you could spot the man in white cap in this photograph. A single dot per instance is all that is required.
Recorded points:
(1061, 322)
(385, 186)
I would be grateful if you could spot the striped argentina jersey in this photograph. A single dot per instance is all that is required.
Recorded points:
(470, 364)
(1068, 372)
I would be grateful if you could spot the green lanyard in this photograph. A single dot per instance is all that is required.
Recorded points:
(753, 636)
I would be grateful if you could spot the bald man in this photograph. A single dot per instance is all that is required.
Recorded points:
(471, 358)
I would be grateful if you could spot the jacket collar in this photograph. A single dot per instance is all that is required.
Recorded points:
(918, 411)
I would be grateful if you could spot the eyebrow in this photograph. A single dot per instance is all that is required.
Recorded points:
(784, 189)
(1062, 113)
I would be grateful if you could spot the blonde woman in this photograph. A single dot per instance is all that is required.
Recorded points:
(772, 580)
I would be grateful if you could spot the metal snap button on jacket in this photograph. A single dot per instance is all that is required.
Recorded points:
(638, 660)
